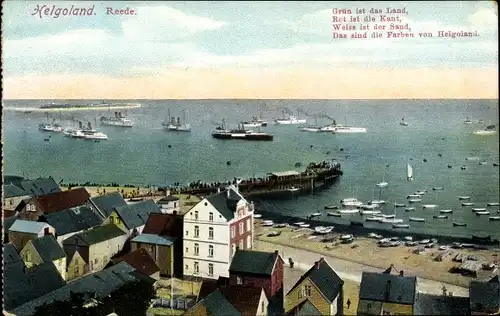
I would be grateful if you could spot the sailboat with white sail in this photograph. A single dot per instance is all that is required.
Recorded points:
(392, 219)
(409, 172)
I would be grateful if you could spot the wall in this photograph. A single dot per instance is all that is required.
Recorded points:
(62, 238)
(293, 298)
(196, 310)
(61, 267)
(161, 255)
(397, 309)
(21, 239)
(114, 218)
(104, 251)
(12, 202)
(30, 255)
(77, 267)
(263, 305)
(367, 307)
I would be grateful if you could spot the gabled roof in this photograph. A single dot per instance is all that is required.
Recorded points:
(15, 180)
(48, 248)
(73, 220)
(64, 200)
(324, 277)
(244, 299)
(10, 190)
(10, 254)
(155, 239)
(94, 235)
(217, 304)
(387, 287)
(428, 304)
(164, 225)
(167, 199)
(102, 283)
(254, 262)
(136, 215)
(225, 205)
(107, 202)
(306, 308)
(22, 284)
(30, 227)
(140, 260)
(40, 186)
(485, 296)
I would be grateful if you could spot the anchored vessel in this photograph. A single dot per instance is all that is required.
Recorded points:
(118, 120)
(240, 133)
(176, 126)
(315, 177)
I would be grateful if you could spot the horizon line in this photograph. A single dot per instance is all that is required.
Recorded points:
(270, 99)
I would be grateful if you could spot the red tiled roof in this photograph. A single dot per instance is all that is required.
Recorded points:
(64, 200)
(8, 213)
(164, 225)
(140, 260)
(244, 299)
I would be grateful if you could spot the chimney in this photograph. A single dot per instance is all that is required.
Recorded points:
(316, 264)
(227, 192)
(167, 192)
(401, 273)
(276, 252)
(218, 190)
(387, 290)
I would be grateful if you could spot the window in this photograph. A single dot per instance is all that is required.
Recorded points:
(196, 232)
(239, 280)
(248, 224)
(77, 270)
(186, 267)
(76, 260)
(187, 249)
(196, 267)
(210, 233)
(210, 250)
(211, 216)
(95, 261)
(232, 232)
(233, 249)
(187, 232)
(306, 291)
(249, 242)
(196, 215)
(369, 306)
(175, 204)
(196, 249)
(241, 228)
(241, 243)
(27, 258)
(210, 269)
(11, 202)
(263, 307)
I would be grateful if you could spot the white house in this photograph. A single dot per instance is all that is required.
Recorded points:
(169, 204)
(23, 231)
(213, 229)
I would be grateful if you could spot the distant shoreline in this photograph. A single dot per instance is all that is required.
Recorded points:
(69, 109)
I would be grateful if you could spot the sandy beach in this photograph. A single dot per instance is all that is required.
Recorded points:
(368, 256)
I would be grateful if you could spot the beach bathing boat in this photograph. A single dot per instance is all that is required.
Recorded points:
(467, 204)
(345, 237)
(336, 214)
(492, 204)
(409, 209)
(281, 225)
(415, 200)
(416, 219)
(349, 211)
(464, 197)
(304, 225)
(494, 218)
(459, 224)
(482, 213)
(440, 216)
(445, 211)
(323, 230)
(429, 206)
(395, 225)
(479, 209)
(268, 223)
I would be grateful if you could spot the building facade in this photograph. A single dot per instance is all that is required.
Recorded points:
(213, 229)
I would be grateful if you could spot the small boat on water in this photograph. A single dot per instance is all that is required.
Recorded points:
(374, 219)
(304, 225)
(349, 211)
(293, 189)
(421, 192)
(299, 223)
(440, 216)
(382, 184)
(415, 200)
(369, 212)
(377, 202)
(416, 219)
(459, 224)
(403, 123)
(429, 206)
(336, 214)
(464, 198)
(489, 130)
(479, 209)
(311, 129)
(349, 200)
(492, 204)
(467, 204)
(315, 214)
(482, 213)
(255, 215)
(352, 204)
(445, 211)
(331, 207)
(392, 220)
(255, 122)
(396, 225)
(399, 205)
(437, 188)
(494, 218)
(409, 209)
(369, 206)
(413, 196)
(322, 230)
(388, 215)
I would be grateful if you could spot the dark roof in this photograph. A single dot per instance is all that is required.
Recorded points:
(40, 186)
(10, 190)
(48, 248)
(154, 239)
(324, 277)
(94, 235)
(7, 222)
(253, 262)
(9, 213)
(164, 224)
(64, 200)
(140, 260)
(306, 308)
(244, 299)
(135, 215)
(107, 202)
(102, 283)
(385, 287)
(224, 205)
(30, 227)
(10, 254)
(167, 199)
(73, 220)
(15, 180)
(485, 296)
(22, 285)
(217, 304)
(427, 304)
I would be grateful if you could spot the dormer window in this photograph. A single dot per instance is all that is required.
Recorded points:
(239, 280)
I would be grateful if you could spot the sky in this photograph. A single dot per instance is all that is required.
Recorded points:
(245, 50)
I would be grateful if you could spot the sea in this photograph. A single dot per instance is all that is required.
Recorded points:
(436, 136)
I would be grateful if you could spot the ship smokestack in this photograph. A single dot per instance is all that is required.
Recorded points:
(178, 120)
